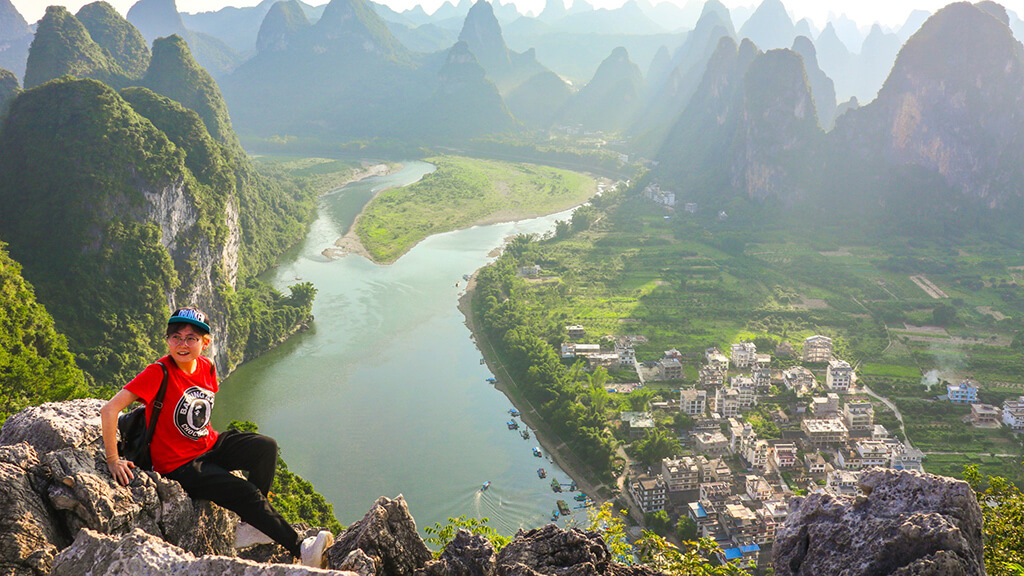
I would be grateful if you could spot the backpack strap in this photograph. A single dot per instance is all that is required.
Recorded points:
(158, 404)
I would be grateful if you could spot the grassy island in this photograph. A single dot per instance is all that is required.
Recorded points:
(463, 192)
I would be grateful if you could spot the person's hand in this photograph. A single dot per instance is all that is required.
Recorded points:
(121, 470)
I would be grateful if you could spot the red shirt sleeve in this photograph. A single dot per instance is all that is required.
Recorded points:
(147, 383)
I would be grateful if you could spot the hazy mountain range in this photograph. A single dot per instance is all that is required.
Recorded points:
(771, 109)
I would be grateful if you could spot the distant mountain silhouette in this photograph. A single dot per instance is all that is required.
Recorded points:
(235, 26)
(160, 18)
(822, 88)
(537, 101)
(15, 38)
(283, 22)
(627, 19)
(482, 35)
(611, 98)
(769, 26)
(951, 107)
(465, 103)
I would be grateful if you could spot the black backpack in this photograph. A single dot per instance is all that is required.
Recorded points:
(135, 434)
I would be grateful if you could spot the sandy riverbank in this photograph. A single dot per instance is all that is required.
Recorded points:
(349, 243)
(551, 444)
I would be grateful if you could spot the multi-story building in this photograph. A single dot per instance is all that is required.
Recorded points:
(817, 348)
(649, 493)
(727, 402)
(840, 482)
(572, 350)
(627, 356)
(758, 488)
(1013, 413)
(692, 401)
(743, 354)
(814, 462)
(863, 454)
(746, 391)
(966, 392)
(904, 458)
(575, 332)
(606, 360)
(710, 443)
(739, 522)
(826, 406)
(637, 423)
(824, 431)
(985, 415)
(839, 376)
(714, 470)
(762, 360)
(670, 369)
(715, 490)
(716, 359)
(757, 454)
(680, 474)
(710, 376)
(859, 415)
(762, 378)
(784, 455)
(800, 380)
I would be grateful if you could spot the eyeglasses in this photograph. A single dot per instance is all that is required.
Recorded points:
(176, 340)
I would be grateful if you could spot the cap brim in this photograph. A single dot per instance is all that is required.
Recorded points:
(177, 319)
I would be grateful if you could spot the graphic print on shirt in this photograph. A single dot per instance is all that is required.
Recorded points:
(192, 414)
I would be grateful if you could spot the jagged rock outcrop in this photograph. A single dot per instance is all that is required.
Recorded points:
(482, 33)
(611, 98)
(905, 523)
(822, 88)
(61, 513)
(142, 554)
(386, 535)
(54, 483)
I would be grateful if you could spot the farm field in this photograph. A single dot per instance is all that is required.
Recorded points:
(690, 282)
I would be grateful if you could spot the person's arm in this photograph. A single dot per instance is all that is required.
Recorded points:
(119, 468)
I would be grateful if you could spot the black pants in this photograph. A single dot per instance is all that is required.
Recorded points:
(209, 477)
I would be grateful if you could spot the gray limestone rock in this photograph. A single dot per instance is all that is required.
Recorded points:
(55, 425)
(466, 555)
(388, 536)
(552, 551)
(905, 523)
(142, 554)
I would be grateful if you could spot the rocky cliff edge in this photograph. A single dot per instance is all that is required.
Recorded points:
(61, 513)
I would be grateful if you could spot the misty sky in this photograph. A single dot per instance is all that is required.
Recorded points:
(887, 12)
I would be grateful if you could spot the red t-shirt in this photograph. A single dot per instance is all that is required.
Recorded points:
(183, 431)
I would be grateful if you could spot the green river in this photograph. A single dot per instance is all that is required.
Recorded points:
(386, 393)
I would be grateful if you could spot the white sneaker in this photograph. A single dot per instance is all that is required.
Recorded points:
(247, 536)
(313, 549)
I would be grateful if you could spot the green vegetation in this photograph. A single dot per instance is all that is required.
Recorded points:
(1002, 508)
(440, 535)
(461, 192)
(35, 365)
(122, 42)
(295, 498)
(691, 281)
(63, 46)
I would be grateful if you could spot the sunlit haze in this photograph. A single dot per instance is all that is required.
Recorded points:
(864, 12)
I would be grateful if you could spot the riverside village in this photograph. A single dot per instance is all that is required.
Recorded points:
(740, 463)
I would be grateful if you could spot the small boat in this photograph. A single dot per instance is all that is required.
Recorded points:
(536, 452)
(542, 473)
(554, 515)
(525, 434)
(465, 277)
(485, 486)
(563, 508)
(492, 380)
(513, 411)
(513, 425)
(482, 361)
(581, 497)
(555, 486)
